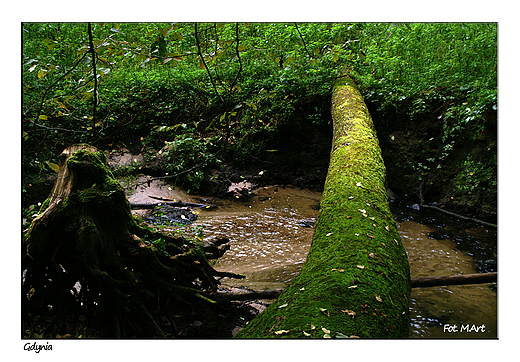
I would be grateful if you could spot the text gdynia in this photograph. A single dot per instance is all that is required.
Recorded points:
(37, 347)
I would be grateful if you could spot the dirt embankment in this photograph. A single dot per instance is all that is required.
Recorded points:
(461, 179)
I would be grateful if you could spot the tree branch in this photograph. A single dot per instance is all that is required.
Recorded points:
(422, 205)
(94, 54)
(238, 57)
(303, 40)
(206, 66)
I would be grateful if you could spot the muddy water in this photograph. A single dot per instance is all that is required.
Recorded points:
(270, 238)
(456, 307)
(270, 235)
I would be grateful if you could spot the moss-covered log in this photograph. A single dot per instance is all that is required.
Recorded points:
(91, 269)
(356, 279)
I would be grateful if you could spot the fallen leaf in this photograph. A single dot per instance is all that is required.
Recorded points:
(281, 331)
(356, 234)
(326, 335)
(362, 210)
(370, 236)
(325, 311)
(340, 335)
(360, 266)
(378, 298)
(329, 234)
(371, 255)
(359, 184)
(325, 330)
(313, 327)
(349, 312)
(387, 228)
(283, 305)
(341, 270)
(352, 287)
(306, 334)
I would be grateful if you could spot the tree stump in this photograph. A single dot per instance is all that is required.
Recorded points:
(90, 268)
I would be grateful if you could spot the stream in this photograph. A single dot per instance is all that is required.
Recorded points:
(271, 233)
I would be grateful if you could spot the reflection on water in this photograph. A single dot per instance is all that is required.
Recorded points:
(459, 305)
(270, 239)
(270, 235)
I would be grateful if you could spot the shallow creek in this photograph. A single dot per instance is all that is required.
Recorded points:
(270, 237)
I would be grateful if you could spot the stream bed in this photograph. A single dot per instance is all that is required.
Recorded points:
(271, 234)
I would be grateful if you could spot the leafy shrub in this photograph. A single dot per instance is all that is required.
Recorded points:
(190, 157)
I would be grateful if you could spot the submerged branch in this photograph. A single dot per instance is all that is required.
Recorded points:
(422, 205)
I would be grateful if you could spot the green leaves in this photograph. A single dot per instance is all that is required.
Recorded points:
(54, 167)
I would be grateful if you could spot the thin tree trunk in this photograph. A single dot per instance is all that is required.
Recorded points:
(481, 278)
(356, 279)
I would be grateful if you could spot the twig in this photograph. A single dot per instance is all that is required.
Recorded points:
(303, 40)
(94, 54)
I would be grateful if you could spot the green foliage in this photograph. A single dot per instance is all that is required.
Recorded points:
(189, 156)
(236, 84)
(419, 69)
(476, 175)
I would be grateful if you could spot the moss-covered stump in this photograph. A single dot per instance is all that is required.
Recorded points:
(356, 279)
(90, 269)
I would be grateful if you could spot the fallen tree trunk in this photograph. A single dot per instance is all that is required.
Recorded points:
(424, 282)
(356, 279)
(454, 280)
(86, 257)
(481, 278)
(250, 295)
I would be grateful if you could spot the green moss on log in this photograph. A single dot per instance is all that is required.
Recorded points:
(356, 279)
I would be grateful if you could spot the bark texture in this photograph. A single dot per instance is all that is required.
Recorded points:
(356, 279)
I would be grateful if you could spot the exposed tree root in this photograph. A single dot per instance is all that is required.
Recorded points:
(90, 269)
